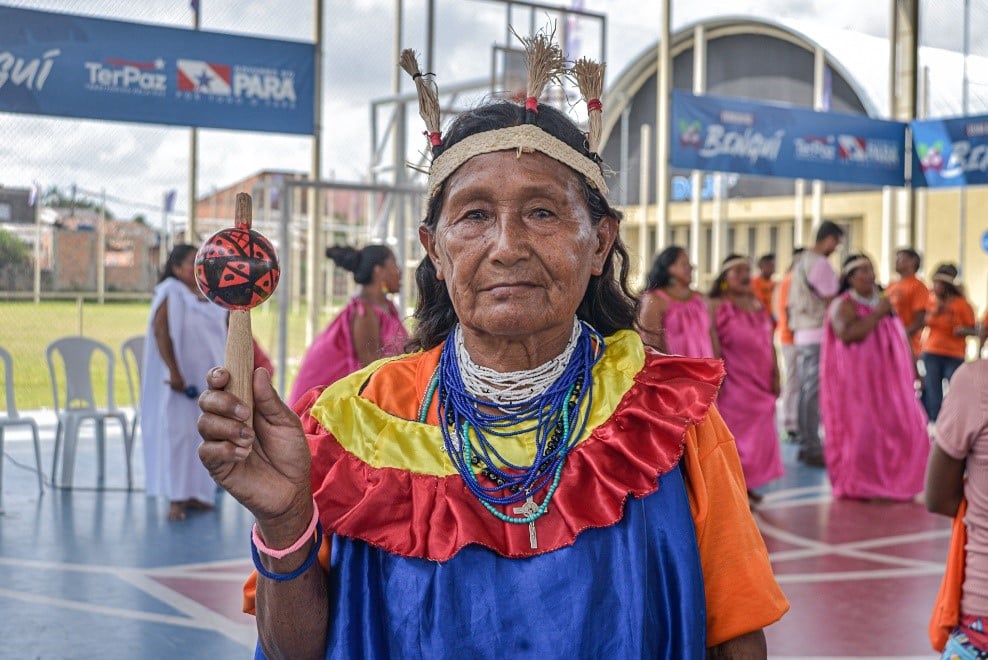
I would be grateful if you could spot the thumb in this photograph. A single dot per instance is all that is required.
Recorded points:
(267, 403)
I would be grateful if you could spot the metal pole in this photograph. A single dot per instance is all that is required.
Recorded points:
(818, 73)
(430, 36)
(285, 290)
(962, 222)
(919, 239)
(101, 250)
(696, 176)
(37, 242)
(645, 146)
(662, 127)
(190, 226)
(312, 280)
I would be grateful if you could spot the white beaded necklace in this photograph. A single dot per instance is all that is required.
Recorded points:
(512, 387)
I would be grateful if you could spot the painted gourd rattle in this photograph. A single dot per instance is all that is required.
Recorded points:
(237, 268)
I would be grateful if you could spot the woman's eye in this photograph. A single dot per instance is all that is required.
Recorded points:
(543, 213)
(475, 214)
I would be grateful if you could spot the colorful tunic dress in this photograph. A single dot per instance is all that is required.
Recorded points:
(686, 325)
(331, 355)
(747, 400)
(876, 440)
(650, 496)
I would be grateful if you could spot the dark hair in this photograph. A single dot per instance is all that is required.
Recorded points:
(913, 254)
(658, 275)
(716, 290)
(360, 262)
(766, 257)
(607, 304)
(845, 278)
(950, 270)
(828, 229)
(178, 254)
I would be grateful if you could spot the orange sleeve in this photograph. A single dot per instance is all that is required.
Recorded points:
(741, 591)
(250, 586)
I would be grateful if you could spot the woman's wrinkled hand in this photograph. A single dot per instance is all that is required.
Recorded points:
(265, 467)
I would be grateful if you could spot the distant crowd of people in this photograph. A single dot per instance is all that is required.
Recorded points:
(862, 369)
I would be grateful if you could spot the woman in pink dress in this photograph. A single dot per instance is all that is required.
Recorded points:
(751, 385)
(876, 442)
(672, 317)
(367, 329)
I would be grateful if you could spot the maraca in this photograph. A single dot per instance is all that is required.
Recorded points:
(237, 268)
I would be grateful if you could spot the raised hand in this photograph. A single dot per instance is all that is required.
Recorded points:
(266, 468)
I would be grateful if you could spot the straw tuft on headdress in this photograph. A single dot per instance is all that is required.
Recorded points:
(545, 64)
(590, 79)
(428, 94)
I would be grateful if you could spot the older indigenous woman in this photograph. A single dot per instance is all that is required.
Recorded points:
(367, 329)
(751, 385)
(875, 427)
(673, 318)
(532, 482)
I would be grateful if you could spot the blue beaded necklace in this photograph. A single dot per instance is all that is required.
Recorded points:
(554, 417)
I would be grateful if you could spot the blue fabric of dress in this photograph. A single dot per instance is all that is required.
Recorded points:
(631, 590)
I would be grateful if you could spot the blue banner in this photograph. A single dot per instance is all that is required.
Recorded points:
(950, 152)
(74, 66)
(729, 135)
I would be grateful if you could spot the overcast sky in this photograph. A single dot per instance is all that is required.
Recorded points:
(140, 163)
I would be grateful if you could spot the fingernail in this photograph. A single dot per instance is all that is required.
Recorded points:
(241, 412)
(241, 452)
(214, 372)
(246, 433)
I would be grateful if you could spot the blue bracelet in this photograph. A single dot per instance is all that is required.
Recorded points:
(284, 577)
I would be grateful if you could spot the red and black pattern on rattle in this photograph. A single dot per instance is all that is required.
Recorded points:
(237, 268)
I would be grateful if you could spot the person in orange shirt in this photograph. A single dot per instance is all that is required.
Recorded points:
(909, 296)
(949, 320)
(762, 284)
(790, 375)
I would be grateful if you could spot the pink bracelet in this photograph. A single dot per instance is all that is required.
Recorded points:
(278, 554)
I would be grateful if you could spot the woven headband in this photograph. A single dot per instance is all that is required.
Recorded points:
(525, 138)
(946, 279)
(857, 263)
(731, 263)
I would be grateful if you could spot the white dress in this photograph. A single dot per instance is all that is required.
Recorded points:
(168, 418)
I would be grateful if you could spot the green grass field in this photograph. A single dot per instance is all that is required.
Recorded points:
(26, 328)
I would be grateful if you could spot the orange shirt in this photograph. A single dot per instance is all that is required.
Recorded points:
(941, 321)
(909, 296)
(762, 288)
(781, 301)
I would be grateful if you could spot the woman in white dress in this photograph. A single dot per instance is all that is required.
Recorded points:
(186, 335)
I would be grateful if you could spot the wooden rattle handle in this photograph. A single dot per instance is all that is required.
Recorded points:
(239, 357)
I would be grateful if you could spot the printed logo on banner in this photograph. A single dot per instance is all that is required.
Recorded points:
(121, 76)
(203, 77)
(719, 140)
(857, 149)
(31, 73)
(930, 156)
(815, 148)
(234, 83)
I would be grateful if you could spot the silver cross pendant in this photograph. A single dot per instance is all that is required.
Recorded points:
(527, 509)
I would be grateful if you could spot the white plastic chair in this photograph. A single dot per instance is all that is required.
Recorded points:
(76, 403)
(132, 352)
(12, 418)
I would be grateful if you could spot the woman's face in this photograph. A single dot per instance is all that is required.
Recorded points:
(185, 271)
(738, 279)
(389, 275)
(681, 269)
(515, 245)
(862, 280)
(939, 289)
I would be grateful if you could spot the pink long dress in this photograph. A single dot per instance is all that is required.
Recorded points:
(876, 441)
(746, 400)
(331, 355)
(686, 324)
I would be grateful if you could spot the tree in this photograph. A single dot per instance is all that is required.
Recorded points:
(13, 250)
(54, 198)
